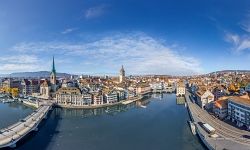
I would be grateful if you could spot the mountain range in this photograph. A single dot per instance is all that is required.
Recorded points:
(38, 74)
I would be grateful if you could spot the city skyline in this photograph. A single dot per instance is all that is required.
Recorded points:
(163, 37)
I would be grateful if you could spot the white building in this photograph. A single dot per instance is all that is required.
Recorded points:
(87, 98)
(205, 99)
(111, 97)
(239, 111)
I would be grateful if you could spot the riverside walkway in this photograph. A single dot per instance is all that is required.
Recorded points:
(230, 137)
(11, 135)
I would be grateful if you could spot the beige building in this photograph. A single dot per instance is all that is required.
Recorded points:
(69, 96)
(45, 90)
(205, 99)
(180, 89)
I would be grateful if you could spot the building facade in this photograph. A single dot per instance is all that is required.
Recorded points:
(239, 111)
(204, 99)
(180, 89)
(69, 96)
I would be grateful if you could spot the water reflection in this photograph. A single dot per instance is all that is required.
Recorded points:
(111, 110)
(180, 100)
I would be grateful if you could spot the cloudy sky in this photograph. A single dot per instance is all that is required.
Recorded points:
(175, 37)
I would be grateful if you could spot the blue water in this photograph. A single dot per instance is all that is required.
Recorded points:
(160, 126)
(10, 113)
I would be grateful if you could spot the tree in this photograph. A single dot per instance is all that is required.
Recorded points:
(231, 88)
(14, 92)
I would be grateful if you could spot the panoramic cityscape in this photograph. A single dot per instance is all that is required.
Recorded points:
(122, 75)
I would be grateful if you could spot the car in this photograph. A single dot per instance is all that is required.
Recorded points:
(246, 136)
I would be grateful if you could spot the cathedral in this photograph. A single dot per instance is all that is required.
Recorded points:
(48, 87)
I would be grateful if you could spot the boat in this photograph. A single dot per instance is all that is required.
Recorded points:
(8, 101)
(192, 127)
(142, 106)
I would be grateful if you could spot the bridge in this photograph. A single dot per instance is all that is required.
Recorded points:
(11, 135)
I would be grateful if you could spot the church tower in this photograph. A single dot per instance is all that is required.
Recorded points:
(122, 75)
(53, 76)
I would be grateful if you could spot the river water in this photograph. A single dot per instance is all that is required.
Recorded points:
(162, 125)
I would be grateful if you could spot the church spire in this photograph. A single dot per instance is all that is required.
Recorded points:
(53, 66)
(53, 73)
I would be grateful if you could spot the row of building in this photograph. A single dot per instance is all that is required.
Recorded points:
(226, 95)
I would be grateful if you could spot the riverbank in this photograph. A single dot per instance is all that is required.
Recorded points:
(229, 137)
(123, 102)
(30, 103)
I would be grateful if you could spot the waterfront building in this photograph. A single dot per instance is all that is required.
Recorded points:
(69, 96)
(111, 97)
(157, 86)
(220, 107)
(28, 87)
(97, 99)
(204, 98)
(169, 89)
(180, 89)
(143, 88)
(45, 89)
(87, 99)
(122, 75)
(239, 111)
(11, 83)
(122, 95)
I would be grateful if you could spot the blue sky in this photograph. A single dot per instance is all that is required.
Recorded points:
(175, 37)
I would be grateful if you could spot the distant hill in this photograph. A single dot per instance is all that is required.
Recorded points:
(33, 74)
(227, 71)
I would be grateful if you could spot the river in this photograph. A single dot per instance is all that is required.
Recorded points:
(162, 125)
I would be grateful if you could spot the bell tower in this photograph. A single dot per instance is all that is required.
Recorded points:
(122, 75)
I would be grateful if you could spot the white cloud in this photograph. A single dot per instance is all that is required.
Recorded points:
(19, 63)
(245, 24)
(69, 30)
(240, 43)
(94, 12)
(9, 68)
(19, 59)
(140, 53)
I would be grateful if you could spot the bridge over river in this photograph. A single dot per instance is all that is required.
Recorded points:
(11, 135)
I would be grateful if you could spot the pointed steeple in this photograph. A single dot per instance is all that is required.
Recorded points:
(122, 70)
(53, 75)
(53, 66)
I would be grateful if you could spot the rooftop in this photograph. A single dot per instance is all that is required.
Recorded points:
(240, 100)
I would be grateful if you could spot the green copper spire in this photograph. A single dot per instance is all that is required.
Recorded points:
(53, 66)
